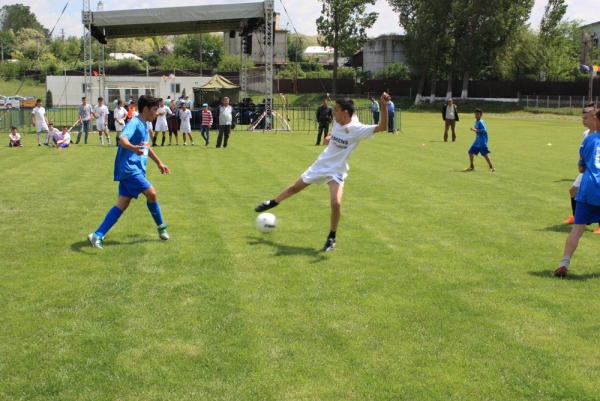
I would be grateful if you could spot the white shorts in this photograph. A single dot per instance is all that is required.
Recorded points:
(41, 128)
(577, 181)
(161, 127)
(320, 174)
(119, 127)
(100, 126)
(185, 128)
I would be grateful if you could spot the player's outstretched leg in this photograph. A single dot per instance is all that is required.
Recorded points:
(113, 215)
(471, 165)
(336, 190)
(487, 159)
(154, 208)
(293, 189)
(570, 247)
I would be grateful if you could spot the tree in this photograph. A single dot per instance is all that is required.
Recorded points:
(393, 71)
(49, 101)
(296, 42)
(153, 59)
(231, 63)
(343, 26)
(17, 17)
(9, 43)
(213, 48)
(519, 57)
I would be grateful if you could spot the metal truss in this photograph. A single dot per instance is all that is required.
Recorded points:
(269, 43)
(101, 75)
(86, 19)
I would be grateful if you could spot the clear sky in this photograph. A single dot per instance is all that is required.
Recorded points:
(303, 13)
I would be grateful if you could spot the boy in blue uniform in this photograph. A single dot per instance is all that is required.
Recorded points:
(130, 170)
(588, 195)
(480, 145)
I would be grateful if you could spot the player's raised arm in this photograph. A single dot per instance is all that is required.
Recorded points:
(383, 122)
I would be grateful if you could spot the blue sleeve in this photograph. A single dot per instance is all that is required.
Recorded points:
(479, 125)
(582, 153)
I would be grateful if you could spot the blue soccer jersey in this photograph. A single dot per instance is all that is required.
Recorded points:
(481, 138)
(589, 153)
(127, 163)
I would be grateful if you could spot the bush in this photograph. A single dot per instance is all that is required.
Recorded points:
(393, 71)
(49, 101)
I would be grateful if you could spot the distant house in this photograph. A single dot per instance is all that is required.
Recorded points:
(122, 56)
(319, 52)
(595, 28)
(166, 49)
(380, 52)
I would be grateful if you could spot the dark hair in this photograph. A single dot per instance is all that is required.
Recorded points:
(83, 98)
(478, 110)
(50, 124)
(346, 104)
(39, 100)
(13, 127)
(146, 101)
(100, 98)
(591, 106)
(119, 102)
(160, 99)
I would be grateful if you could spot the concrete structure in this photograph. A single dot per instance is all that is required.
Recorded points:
(233, 45)
(380, 52)
(67, 91)
(595, 28)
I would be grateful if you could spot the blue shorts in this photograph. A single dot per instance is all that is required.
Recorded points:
(475, 150)
(133, 186)
(64, 145)
(586, 213)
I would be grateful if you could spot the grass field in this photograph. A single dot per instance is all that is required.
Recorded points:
(440, 287)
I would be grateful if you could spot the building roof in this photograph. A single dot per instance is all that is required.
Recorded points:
(121, 56)
(318, 50)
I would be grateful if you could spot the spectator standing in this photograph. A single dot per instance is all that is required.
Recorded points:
(85, 116)
(207, 121)
(40, 121)
(120, 113)
(161, 122)
(168, 101)
(188, 103)
(14, 138)
(375, 110)
(173, 122)
(324, 118)
(225, 116)
(101, 114)
(450, 116)
(185, 116)
(391, 115)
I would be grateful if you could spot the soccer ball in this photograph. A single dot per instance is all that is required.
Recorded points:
(266, 223)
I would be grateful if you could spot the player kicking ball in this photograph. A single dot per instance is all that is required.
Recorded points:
(130, 170)
(588, 195)
(331, 166)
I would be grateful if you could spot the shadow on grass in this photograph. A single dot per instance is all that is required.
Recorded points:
(78, 246)
(570, 276)
(565, 180)
(287, 250)
(558, 228)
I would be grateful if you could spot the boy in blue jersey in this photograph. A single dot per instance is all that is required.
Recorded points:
(480, 145)
(588, 195)
(130, 170)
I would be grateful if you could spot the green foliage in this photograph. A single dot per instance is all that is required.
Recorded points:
(9, 41)
(49, 100)
(296, 44)
(213, 48)
(153, 59)
(519, 57)
(393, 71)
(342, 26)
(183, 92)
(231, 63)
(17, 16)
(171, 61)
(9, 70)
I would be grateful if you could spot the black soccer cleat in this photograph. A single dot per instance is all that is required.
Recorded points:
(329, 245)
(266, 205)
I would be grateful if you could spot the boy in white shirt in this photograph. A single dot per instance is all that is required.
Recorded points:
(332, 165)
(40, 121)
(161, 122)
(64, 139)
(101, 114)
(120, 113)
(14, 138)
(185, 116)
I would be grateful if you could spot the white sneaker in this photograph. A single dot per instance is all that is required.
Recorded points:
(95, 241)
(162, 232)
(185, 144)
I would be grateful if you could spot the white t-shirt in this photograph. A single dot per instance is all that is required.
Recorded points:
(66, 137)
(120, 114)
(14, 137)
(163, 119)
(344, 140)
(586, 133)
(185, 116)
(135, 113)
(101, 113)
(149, 125)
(39, 113)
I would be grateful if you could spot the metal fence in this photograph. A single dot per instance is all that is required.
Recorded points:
(299, 119)
(571, 105)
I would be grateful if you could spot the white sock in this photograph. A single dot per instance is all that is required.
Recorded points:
(108, 139)
(48, 135)
(38, 138)
(565, 262)
(101, 141)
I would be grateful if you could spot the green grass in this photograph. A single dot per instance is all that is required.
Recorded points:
(440, 286)
(9, 87)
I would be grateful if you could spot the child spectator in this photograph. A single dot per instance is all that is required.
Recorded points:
(15, 138)
(207, 121)
(64, 139)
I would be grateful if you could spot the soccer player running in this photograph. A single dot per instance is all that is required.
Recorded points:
(480, 145)
(588, 195)
(332, 165)
(185, 115)
(130, 170)
(587, 119)
(161, 122)
(40, 121)
(101, 114)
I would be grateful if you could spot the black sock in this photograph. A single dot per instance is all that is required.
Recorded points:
(573, 204)
(331, 234)
(163, 141)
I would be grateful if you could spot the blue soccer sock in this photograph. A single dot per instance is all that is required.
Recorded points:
(110, 220)
(155, 212)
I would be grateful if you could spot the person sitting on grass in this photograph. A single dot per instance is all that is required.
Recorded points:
(14, 138)
(588, 195)
(332, 164)
(480, 145)
(64, 139)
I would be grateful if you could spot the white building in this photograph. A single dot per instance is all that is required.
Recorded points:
(122, 56)
(318, 51)
(68, 91)
(595, 28)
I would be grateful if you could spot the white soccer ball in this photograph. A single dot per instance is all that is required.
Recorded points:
(266, 223)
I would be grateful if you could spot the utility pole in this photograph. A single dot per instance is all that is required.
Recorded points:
(200, 55)
(62, 32)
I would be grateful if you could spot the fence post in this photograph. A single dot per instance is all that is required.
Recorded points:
(570, 108)
(537, 102)
(559, 105)
(547, 102)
